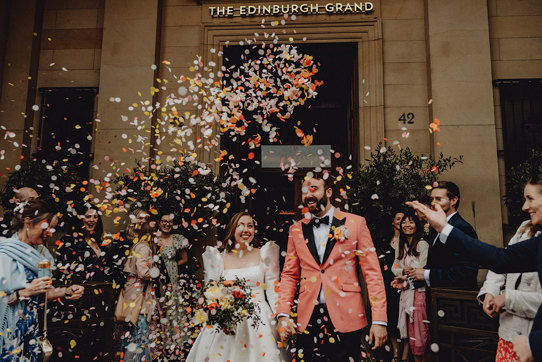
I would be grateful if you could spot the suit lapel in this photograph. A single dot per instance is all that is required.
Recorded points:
(331, 240)
(309, 235)
(454, 219)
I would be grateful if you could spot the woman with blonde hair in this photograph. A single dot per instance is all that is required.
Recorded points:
(139, 269)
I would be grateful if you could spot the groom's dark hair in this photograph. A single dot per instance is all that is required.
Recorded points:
(324, 175)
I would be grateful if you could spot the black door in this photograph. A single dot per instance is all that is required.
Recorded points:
(67, 118)
(275, 169)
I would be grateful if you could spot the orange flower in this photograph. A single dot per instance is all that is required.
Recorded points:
(213, 305)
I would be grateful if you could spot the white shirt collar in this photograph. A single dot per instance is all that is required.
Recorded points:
(329, 213)
(450, 216)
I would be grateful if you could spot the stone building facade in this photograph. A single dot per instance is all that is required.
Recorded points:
(420, 59)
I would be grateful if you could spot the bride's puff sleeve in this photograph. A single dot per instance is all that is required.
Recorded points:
(212, 264)
(270, 257)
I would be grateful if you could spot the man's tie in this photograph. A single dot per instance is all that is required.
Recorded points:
(316, 222)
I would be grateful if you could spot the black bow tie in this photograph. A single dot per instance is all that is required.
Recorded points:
(319, 221)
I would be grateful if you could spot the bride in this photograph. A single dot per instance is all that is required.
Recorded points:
(240, 257)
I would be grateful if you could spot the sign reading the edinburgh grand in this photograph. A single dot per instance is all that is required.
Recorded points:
(291, 9)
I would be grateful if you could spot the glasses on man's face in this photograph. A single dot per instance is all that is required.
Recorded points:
(166, 222)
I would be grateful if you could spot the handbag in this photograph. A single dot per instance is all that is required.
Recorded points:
(44, 344)
(128, 311)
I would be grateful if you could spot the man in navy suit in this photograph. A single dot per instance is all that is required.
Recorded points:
(445, 267)
(518, 258)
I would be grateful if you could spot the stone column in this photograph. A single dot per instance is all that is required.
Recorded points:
(128, 52)
(460, 63)
(18, 79)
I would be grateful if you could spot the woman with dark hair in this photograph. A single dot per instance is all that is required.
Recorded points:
(387, 250)
(33, 223)
(240, 256)
(84, 256)
(412, 312)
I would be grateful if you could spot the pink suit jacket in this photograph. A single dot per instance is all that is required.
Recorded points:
(337, 275)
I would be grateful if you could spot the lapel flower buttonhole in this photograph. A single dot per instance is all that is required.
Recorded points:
(340, 233)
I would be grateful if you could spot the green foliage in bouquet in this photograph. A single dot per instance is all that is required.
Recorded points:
(223, 304)
(516, 178)
(57, 182)
(388, 179)
(188, 190)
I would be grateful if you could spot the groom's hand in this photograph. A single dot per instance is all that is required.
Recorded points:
(285, 328)
(378, 334)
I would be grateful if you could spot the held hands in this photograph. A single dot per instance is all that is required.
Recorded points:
(74, 292)
(400, 283)
(494, 305)
(436, 218)
(522, 349)
(378, 334)
(488, 306)
(414, 273)
(285, 328)
(37, 286)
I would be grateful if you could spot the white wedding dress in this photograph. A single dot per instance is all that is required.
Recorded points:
(248, 343)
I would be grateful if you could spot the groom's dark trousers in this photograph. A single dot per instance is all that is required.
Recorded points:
(320, 341)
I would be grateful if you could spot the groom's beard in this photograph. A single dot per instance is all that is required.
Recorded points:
(319, 206)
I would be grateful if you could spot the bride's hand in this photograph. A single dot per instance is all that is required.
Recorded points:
(285, 328)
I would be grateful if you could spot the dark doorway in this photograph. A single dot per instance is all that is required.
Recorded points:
(66, 122)
(331, 118)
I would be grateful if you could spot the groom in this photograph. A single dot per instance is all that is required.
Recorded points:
(325, 250)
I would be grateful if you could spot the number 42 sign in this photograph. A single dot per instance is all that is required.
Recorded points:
(407, 118)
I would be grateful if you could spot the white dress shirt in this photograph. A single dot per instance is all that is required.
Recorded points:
(427, 272)
(321, 233)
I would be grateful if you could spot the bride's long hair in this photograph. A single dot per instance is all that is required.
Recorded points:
(229, 240)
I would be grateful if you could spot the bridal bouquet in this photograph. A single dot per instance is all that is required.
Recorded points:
(223, 304)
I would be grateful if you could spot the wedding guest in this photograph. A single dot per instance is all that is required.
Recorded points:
(522, 257)
(387, 250)
(84, 256)
(20, 286)
(412, 323)
(124, 241)
(444, 267)
(20, 195)
(139, 267)
(240, 256)
(121, 246)
(173, 288)
(514, 297)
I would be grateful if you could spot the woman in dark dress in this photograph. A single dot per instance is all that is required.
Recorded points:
(387, 249)
(83, 256)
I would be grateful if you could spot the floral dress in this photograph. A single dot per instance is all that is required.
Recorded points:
(170, 322)
(22, 343)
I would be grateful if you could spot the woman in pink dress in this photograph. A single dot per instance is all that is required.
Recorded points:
(412, 322)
